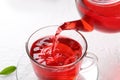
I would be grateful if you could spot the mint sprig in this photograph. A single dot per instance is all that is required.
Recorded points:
(8, 70)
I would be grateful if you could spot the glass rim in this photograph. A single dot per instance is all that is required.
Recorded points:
(103, 2)
(46, 66)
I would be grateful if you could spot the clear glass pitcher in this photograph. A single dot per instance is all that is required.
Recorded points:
(102, 15)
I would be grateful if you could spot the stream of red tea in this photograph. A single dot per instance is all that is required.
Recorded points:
(57, 51)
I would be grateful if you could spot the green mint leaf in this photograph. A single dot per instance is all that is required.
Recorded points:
(8, 70)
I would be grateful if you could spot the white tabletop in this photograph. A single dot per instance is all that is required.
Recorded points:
(20, 18)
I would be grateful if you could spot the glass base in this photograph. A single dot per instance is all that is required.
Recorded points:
(25, 71)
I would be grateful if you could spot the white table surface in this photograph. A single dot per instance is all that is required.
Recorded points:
(19, 18)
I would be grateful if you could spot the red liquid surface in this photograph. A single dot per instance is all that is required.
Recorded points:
(66, 51)
(104, 17)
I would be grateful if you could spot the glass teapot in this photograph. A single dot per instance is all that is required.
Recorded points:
(101, 15)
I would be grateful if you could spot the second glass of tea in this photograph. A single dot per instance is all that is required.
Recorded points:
(58, 57)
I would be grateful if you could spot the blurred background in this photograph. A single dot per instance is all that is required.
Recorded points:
(20, 18)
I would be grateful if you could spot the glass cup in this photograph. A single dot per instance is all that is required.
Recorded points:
(61, 72)
(103, 15)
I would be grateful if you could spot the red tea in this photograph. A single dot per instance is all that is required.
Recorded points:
(66, 51)
(104, 15)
